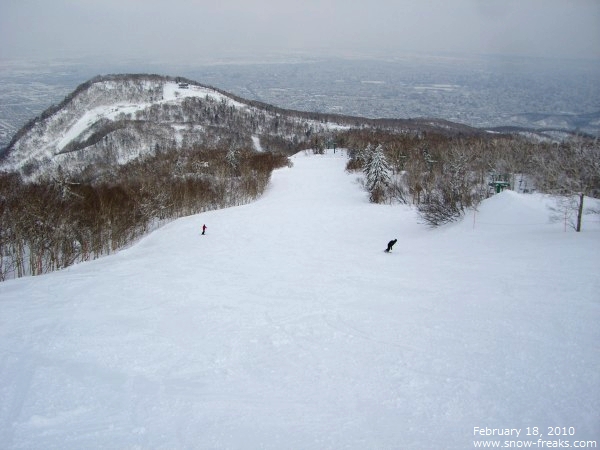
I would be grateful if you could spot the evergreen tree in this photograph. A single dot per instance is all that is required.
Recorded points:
(377, 172)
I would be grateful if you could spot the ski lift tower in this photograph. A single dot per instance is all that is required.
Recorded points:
(499, 182)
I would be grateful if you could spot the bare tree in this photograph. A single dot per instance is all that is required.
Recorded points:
(571, 169)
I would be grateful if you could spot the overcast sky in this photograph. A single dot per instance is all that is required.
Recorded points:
(188, 29)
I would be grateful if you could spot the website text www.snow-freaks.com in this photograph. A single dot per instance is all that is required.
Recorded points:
(529, 437)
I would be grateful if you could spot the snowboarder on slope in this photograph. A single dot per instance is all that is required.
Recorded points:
(203, 228)
(390, 245)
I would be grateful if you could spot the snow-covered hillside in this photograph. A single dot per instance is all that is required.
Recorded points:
(287, 326)
(112, 120)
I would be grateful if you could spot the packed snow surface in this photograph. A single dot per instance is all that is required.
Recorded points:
(287, 327)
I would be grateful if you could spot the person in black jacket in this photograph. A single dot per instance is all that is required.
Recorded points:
(390, 245)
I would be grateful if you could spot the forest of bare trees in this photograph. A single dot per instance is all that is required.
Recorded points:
(443, 176)
(52, 224)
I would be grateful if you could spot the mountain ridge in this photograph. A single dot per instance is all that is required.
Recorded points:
(117, 118)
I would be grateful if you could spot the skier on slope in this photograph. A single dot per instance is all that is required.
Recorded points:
(390, 245)
(203, 228)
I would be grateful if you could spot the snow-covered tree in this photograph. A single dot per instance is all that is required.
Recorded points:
(232, 157)
(377, 172)
(363, 156)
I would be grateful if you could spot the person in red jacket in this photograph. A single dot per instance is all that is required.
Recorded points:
(203, 228)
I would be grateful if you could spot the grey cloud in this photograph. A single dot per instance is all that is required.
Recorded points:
(188, 28)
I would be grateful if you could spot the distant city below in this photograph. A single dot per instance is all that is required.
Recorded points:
(484, 92)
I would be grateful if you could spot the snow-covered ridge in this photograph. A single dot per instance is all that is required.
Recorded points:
(112, 120)
(173, 93)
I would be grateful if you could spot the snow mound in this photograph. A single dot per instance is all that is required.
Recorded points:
(510, 212)
(510, 208)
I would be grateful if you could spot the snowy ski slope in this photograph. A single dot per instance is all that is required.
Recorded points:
(287, 327)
